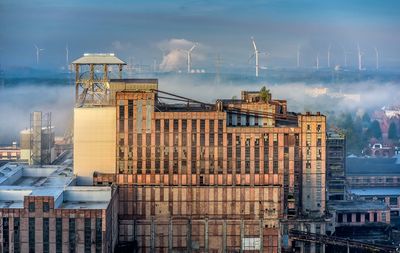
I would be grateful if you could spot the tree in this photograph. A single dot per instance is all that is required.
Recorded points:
(392, 132)
(374, 130)
(366, 118)
(264, 94)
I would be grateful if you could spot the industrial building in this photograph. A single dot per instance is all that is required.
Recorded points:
(373, 172)
(42, 210)
(10, 153)
(336, 165)
(192, 175)
(37, 142)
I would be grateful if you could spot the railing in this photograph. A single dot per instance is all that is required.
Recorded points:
(339, 241)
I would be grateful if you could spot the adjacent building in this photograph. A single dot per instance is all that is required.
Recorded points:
(41, 210)
(10, 153)
(37, 142)
(335, 165)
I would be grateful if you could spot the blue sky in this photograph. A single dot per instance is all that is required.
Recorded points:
(137, 29)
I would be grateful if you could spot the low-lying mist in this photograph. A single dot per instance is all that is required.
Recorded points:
(17, 102)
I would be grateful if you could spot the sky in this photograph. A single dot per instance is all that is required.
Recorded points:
(160, 31)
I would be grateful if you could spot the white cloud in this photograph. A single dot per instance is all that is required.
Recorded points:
(175, 56)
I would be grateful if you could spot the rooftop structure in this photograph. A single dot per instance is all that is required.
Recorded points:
(88, 59)
(37, 142)
(93, 72)
(22, 175)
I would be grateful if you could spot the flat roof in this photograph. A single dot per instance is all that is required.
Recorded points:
(361, 166)
(376, 191)
(136, 80)
(20, 174)
(99, 59)
(72, 197)
(356, 205)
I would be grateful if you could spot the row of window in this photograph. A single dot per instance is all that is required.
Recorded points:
(32, 207)
(46, 235)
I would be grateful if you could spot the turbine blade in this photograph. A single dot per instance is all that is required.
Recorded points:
(251, 56)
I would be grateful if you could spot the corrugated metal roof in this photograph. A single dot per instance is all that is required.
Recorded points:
(99, 59)
(376, 191)
(372, 166)
(357, 205)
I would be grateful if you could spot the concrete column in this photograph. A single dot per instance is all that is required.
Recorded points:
(224, 236)
(206, 235)
(170, 236)
(241, 235)
(152, 235)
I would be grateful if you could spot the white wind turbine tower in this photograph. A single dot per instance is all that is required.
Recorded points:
(67, 57)
(360, 55)
(329, 55)
(256, 54)
(189, 57)
(377, 58)
(317, 62)
(38, 53)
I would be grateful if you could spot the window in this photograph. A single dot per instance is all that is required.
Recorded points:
(184, 125)
(31, 207)
(383, 217)
(266, 153)
(17, 245)
(58, 235)
(194, 126)
(130, 108)
(46, 248)
(99, 236)
(366, 215)
(72, 235)
(87, 235)
(358, 217)
(393, 201)
(31, 235)
(46, 207)
(275, 154)
(6, 235)
(166, 125)
(348, 218)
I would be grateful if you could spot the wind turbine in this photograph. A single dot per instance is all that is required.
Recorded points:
(189, 57)
(329, 55)
(317, 62)
(38, 53)
(67, 57)
(360, 55)
(377, 58)
(256, 54)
